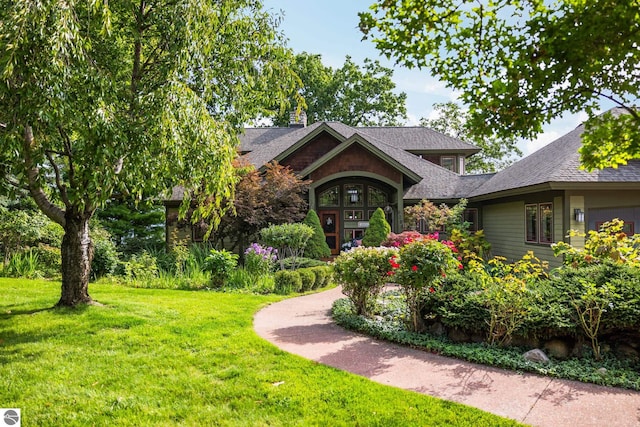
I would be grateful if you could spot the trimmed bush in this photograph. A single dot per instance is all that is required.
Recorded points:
(317, 247)
(289, 239)
(322, 276)
(308, 277)
(378, 229)
(287, 281)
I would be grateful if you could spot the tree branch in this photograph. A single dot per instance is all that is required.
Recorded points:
(49, 209)
(59, 184)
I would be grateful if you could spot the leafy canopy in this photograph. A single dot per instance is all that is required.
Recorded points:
(497, 153)
(132, 97)
(520, 64)
(354, 95)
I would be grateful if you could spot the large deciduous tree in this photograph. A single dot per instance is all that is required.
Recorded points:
(352, 94)
(131, 97)
(520, 64)
(497, 153)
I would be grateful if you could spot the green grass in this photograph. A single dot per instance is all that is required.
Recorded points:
(167, 357)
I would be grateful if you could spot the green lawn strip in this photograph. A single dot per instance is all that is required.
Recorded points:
(166, 357)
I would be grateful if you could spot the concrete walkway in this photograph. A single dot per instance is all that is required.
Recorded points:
(303, 326)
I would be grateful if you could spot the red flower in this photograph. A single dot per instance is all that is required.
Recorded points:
(390, 273)
(431, 289)
(460, 266)
(414, 267)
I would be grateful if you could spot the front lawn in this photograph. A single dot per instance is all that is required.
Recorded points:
(167, 357)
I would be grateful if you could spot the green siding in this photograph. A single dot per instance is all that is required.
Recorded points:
(504, 229)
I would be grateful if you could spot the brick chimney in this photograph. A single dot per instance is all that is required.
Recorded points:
(299, 120)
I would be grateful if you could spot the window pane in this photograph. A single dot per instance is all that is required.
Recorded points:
(330, 197)
(471, 216)
(448, 163)
(377, 197)
(546, 223)
(353, 195)
(531, 223)
(354, 215)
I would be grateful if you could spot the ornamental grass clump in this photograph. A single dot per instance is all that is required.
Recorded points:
(363, 272)
(419, 270)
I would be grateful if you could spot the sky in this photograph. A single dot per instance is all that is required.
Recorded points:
(330, 28)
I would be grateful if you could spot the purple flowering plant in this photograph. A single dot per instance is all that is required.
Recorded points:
(260, 260)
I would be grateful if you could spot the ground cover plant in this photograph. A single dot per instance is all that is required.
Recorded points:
(170, 357)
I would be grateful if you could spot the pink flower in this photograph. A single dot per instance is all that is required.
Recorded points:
(460, 266)
(414, 267)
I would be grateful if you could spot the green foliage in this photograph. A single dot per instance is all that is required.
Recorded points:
(289, 239)
(323, 275)
(220, 263)
(301, 262)
(362, 272)
(49, 260)
(608, 243)
(354, 95)
(419, 270)
(497, 153)
(378, 229)
(141, 268)
(287, 281)
(308, 278)
(317, 247)
(23, 264)
(470, 245)
(105, 256)
(133, 227)
(512, 86)
(22, 228)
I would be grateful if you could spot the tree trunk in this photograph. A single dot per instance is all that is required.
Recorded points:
(77, 253)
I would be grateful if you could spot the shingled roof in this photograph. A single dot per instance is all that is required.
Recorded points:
(266, 144)
(556, 164)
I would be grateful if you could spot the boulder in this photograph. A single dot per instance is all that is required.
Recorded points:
(558, 348)
(536, 356)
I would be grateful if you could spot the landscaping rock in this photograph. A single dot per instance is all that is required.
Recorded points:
(602, 371)
(536, 355)
(558, 349)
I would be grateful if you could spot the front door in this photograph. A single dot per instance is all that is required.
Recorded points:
(331, 227)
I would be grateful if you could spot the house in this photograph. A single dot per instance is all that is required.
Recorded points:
(528, 206)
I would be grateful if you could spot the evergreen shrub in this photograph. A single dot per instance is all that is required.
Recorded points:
(378, 229)
(317, 247)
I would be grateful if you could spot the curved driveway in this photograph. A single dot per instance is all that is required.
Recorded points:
(303, 326)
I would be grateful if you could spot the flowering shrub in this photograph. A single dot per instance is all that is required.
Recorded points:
(406, 237)
(259, 260)
(419, 269)
(609, 243)
(363, 272)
